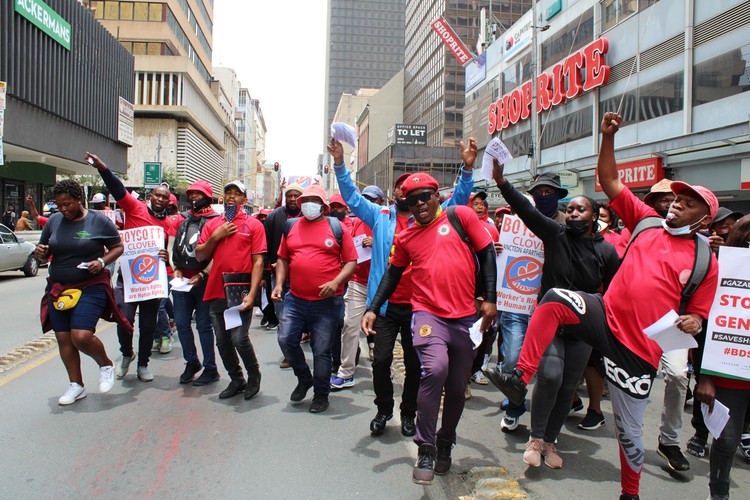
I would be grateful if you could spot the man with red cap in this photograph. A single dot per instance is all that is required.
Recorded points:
(614, 324)
(318, 257)
(444, 277)
(340, 210)
(188, 226)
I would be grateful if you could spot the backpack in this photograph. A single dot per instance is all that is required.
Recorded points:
(183, 251)
(459, 228)
(701, 265)
(338, 232)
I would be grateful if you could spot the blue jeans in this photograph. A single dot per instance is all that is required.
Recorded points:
(184, 305)
(322, 318)
(513, 329)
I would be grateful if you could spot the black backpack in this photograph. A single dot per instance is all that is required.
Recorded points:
(332, 221)
(701, 265)
(183, 251)
(459, 228)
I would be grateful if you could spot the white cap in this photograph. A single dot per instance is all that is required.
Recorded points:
(98, 198)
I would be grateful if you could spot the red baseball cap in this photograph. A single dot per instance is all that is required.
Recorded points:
(202, 187)
(337, 198)
(703, 193)
(401, 178)
(502, 210)
(314, 191)
(172, 199)
(264, 211)
(420, 180)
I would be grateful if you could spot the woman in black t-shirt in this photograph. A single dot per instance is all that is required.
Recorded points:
(76, 238)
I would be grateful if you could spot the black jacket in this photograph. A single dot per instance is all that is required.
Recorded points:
(570, 262)
(274, 226)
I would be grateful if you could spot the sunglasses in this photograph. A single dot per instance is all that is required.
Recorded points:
(424, 197)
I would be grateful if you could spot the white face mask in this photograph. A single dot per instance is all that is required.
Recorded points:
(681, 231)
(311, 210)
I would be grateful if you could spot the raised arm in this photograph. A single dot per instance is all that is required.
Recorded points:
(606, 167)
(361, 206)
(114, 184)
(466, 179)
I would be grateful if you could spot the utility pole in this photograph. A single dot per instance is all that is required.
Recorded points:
(535, 139)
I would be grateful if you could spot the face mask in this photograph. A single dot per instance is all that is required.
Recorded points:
(311, 210)
(230, 212)
(723, 236)
(578, 228)
(339, 215)
(200, 204)
(401, 205)
(681, 231)
(547, 205)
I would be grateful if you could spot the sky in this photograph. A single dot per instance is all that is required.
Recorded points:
(277, 49)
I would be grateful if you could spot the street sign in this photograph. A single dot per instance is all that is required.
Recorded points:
(151, 174)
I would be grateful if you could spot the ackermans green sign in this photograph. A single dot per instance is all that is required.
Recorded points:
(46, 19)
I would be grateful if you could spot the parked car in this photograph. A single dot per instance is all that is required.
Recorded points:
(16, 254)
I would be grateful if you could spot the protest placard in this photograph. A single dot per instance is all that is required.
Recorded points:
(519, 267)
(110, 214)
(727, 349)
(144, 274)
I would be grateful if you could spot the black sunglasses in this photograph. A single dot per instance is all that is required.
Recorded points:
(424, 197)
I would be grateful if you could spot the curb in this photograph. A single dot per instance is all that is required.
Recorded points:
(27, 351)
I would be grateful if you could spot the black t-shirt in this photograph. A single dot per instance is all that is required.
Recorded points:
(73, 242)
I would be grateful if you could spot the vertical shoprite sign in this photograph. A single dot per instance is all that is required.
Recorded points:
(46, 19)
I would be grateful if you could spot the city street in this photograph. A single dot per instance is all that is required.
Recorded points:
(166, 440)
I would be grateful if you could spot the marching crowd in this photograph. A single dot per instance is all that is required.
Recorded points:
(422, 270)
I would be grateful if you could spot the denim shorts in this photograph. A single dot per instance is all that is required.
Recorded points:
(85, 315)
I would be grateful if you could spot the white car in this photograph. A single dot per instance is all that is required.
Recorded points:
(16, 254)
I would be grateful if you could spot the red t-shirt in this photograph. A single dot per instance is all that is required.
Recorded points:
(443, 268)
(650, 280)
(492, 229)
(137, 215)
(615, 239)
(234, 253)
(347, 224)
(314, 256)
(404, 291)
(363, 268)
(42, 220)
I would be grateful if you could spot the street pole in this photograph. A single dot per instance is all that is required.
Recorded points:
(534, 115)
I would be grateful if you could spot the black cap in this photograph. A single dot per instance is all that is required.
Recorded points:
(551, 180)
(723, 213)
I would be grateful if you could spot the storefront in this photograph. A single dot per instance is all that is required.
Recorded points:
(678, 73)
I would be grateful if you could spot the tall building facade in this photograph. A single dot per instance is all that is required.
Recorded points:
(364, 49)
(433, 78)
(179, 121)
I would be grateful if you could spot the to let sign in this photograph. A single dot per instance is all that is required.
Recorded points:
(638, 174)
(151, 175)
(411, 134)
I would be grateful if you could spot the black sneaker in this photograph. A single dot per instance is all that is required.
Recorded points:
(698, 446)
(576, 406)
(319, 404)
(408, 426)
(299, 392)
(674, 457)
(377, 425)
(625, 496)
(235, 387)
(209, 376)
(424, 469)
(271, 326)
(591, 421)
(443, 460)
(264, 322)
(253, 385)
(191, 368)
(510, 384)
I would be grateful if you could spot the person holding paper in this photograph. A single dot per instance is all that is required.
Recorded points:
(576, 257)
(237, 244)
(444, 274)
(394, 317)
(137, 215)
(614, 325)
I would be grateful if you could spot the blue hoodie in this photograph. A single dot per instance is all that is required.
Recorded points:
(382, 221)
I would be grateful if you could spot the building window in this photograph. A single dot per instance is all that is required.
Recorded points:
(111, 10)
(568, 128)
(722, 76)
(156, 12)
(652, 100)
(140, 11)
(569, 39)
(616, 11)
(126, 11)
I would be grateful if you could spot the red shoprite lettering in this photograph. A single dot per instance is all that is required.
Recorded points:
(553, 88)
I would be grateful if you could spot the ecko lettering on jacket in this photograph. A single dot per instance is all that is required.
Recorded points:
(580, 72)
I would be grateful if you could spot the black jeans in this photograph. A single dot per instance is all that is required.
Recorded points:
(723, 449)
(234, 341)
(397, 320)
(148, 311)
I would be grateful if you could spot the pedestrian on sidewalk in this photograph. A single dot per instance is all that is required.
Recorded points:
(78, 287)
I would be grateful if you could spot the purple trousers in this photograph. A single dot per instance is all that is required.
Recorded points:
(446, 353)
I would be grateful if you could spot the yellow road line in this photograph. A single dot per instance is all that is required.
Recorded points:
(26, 369)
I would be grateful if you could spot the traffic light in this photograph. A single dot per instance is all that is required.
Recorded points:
(326, 167)
(276, 166)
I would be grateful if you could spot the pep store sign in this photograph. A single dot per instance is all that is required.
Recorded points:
(580, 72)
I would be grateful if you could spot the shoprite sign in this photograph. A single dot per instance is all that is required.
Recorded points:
(638, 174)
(563, 82)
(46, 19)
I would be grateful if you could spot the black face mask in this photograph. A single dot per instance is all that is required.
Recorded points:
(293, 210)
(578, 228)
(200, 204)
(338, 215)
(158, 215)
(401, 205)
(547, 205)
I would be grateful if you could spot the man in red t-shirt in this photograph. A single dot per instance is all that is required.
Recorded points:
(237, 244)
(662, 260)
(318, 263)
(443, 275)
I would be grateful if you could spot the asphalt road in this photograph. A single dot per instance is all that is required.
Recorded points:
(19, 308)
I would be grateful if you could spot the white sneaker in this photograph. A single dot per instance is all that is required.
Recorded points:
(106, 378)
(74, 393)
(479, 378)
(122, 366)
(509, 424)
(144, 374)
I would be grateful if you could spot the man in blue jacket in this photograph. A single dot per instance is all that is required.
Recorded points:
(395, 316)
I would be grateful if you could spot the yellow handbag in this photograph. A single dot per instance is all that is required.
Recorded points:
(67, 299)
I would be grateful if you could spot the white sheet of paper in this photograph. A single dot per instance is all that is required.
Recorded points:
(180, 285)
(665, 333)
(717, 420)
(83, 265)
(344, 133)
(263, 298)
(475, 334)
(232, 317)
(363, 253)
(495, 149)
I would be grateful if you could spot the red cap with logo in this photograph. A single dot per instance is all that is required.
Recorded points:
(337, 198)
(703, 193)
(172, 199)
(420, 180)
